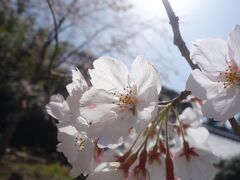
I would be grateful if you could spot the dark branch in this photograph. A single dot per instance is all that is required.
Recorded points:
(179, 42)
(183, 95)
(56, 36)
(82, 45)
(177, 100)
(61, 21)
(177, 37)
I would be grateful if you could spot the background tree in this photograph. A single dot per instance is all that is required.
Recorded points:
(37, 53)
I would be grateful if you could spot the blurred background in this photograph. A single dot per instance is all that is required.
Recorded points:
(36, 63)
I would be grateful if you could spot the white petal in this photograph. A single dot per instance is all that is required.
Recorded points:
(190, 115)
(146, 108)
(64, 121)
(79, 159)
(210, 54)
(109, 74)
(234, 43)
(149, 95)
(145, 114)
(106, 171)
(223, 106)
(156, 170)
(197, 136)
(202, 86)
(198, 168)
(73, 104)
(67, 113)
(57, 106)
(147, 104)
(96, 104)
(67, 146)
(132, 135)
(108, 121)
(74, 108)
(145, 75)
(78, 85)
(109, 132)
(69, 129)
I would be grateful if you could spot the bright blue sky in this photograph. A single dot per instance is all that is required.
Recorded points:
(198, 19)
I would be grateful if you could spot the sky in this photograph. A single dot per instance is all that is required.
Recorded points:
(198, 19)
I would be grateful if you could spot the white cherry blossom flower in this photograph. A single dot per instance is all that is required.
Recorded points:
(57, 107)
(78, 85)
(78, 149)
(192, 115)
(190, 120)
(195, 163)
(107, 170)
(120, 99)
(75, 91)
(68, 111)
(218, 82)
(156, 167)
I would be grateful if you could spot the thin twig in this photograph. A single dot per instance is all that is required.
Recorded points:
(183, 95)
(177, 100)
(83, 44)
(178, 40)
(164, 103)
(56, 36)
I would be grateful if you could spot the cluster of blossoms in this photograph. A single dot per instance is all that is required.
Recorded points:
(218, 80)
(116, 129)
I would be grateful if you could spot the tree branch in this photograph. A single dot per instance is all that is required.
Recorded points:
(82, 45)
(177, 37)
(56, 36)
(177, 100)
(183, 95)
(179, 42)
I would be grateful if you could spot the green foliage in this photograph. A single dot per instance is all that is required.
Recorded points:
(35, 171)
(26, 49)
(229, 169)
(25, 53)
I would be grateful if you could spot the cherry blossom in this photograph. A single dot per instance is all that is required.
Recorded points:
(68, 111)
(107, 170)
(190, 120)
(120, 99)
(78, 149)
(110, 130)
(156, 164)
(57, 107)
(218, 80)
(75, 91)
(195, 163)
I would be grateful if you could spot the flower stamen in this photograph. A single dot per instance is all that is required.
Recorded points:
(127, 98)
(230, 76)
(80, 142)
